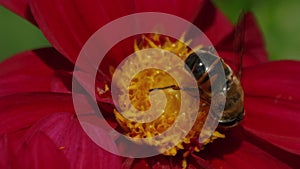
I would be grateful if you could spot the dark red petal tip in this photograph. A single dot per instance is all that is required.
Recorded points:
(43, 70)
(20, 7)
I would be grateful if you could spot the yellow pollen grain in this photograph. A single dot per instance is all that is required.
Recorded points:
(61, 147)
(101, 91)
(111, 70)
(155, 37)
(218, 135)
(184, 164)
(151, 43)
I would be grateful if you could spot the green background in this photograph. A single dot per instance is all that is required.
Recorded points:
(279, 21)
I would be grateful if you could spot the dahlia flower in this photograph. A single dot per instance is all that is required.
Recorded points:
(39, 127)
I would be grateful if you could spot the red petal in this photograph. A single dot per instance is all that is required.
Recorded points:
(166, 162)
(277, 79)
(135, 164)
(254, 51)
(65, 131)
(13, 144)
(159, 162)
(4, 159)
(213, 23)
(40, 152)
(202, 13)
(272, 103)
(182, 9)
(156, 162)
(43, 70)
(198, 162)
(20, 7)
(240, 150)
(84, 79)
(20, 111)
(278, 123)
(73, 22)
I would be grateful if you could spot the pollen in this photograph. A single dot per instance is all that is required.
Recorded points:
(101, 91)
(61, 147)
(139, 95)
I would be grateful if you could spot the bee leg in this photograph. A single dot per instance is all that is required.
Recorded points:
(167, 87)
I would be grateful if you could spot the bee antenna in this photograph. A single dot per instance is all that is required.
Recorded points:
(240, 40)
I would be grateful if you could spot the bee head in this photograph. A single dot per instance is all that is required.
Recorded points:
(234, 107)
(233, 121)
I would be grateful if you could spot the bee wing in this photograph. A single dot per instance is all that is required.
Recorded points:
(239, 41)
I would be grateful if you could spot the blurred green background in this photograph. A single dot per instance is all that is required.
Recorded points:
(279, 21)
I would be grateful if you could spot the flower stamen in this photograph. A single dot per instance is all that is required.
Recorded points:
(148, 80)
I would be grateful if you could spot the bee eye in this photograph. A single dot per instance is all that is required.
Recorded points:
(194, 63)
(199, 70)
(227, 71)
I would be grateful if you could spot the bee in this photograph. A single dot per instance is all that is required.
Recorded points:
(234, 107)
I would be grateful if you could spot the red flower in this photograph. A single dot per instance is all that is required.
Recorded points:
(39, 129)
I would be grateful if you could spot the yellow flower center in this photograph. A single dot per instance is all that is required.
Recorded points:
(139, 95)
